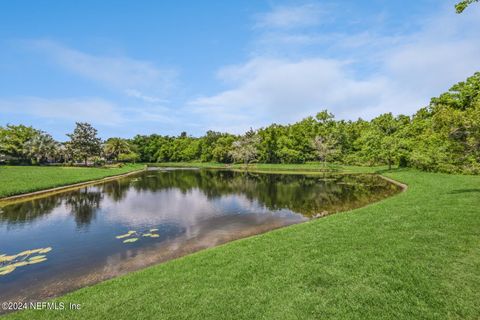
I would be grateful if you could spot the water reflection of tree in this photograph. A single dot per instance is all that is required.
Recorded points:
(116, 190)
(22, 212)
(299, 193)
(83, 205)
(308, 195)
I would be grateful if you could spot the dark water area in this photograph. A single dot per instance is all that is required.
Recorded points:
(169, 212)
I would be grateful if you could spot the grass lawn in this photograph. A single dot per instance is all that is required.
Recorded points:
(305, 167)
(22, 179)
(412, 256)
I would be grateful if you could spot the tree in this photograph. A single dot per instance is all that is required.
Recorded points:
(223, 149)
(84, 141)
(378, 141)
(13, 139)
(41, 147)
(324, 147)
(114, 147)
(385, 127)
(245, 149)
(128, 157)
(462, 5)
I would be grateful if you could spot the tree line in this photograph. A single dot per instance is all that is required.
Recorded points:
(444, 136)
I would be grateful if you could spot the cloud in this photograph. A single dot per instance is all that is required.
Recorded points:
(137, 94)
(130, 76)
(275, 90)
(94, 110)
(396, 74)
(289, 17)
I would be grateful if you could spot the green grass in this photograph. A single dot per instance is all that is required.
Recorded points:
(413, 256)
(305, 167)
(22, 179)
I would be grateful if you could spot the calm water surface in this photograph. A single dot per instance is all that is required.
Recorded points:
(192, 210)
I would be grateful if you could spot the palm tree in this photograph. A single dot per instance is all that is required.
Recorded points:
(115, 146)
(41, 147)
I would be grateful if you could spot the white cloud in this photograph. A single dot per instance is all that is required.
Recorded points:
(137, 94)
(130, 76)
(273, 90)
(288, 17)
(93, 110)
(408, 71)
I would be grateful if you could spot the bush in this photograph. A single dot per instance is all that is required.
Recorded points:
(128, 157)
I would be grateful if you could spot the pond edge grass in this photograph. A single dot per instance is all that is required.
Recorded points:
(68, 187)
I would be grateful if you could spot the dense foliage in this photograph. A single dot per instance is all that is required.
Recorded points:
(444, 136)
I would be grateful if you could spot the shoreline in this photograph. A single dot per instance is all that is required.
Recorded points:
(41, 193)
(55, 190)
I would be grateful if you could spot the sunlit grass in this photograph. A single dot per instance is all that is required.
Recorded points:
(413, 256)
(309, 166)
(22, 179)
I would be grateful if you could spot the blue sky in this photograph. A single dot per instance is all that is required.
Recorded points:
(141, 67)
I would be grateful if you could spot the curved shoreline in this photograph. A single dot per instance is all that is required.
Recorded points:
(395, 182)
(68, 187)
(42, 193)
(56, 290)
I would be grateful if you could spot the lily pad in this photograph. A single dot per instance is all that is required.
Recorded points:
(19, 264)
(6, 258)
(126, 235)
(130, 240)
(36, 260)
(123, 236)
(7, 269)
(37, 257)
(10, 263)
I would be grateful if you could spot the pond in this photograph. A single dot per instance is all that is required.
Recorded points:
(100, 231)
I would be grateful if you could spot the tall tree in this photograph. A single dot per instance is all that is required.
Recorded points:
(379, 144)
(84, 141)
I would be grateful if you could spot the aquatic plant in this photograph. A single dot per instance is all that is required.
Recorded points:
(133, 236)
(8, 264)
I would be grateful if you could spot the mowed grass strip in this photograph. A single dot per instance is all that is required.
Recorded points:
(305, 167)
(413, 256)
(23, 179)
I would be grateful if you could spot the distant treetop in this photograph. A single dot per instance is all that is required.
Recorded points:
(462, 5)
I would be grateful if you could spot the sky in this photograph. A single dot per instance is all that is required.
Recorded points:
(143, 67)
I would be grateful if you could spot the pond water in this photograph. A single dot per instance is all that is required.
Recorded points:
(100, 231)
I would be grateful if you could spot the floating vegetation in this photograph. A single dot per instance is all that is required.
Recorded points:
(133, 236)
(8, 264)
(128, 234)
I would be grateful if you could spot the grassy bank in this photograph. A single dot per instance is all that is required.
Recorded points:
(305, 167)
(22, 179)
(413, 256)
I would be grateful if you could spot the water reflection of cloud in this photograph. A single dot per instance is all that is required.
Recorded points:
(183, 208)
